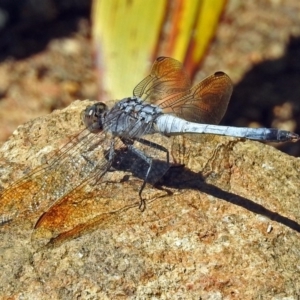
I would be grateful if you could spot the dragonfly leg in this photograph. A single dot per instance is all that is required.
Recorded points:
(154, 145)
(104, 168)
(148, 160)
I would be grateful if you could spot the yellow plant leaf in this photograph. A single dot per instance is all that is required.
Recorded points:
(125, 36)
(129, 35)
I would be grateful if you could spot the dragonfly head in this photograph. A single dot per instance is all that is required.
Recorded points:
(92, 116)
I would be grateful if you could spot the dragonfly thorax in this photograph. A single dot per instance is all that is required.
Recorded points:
(131, 118)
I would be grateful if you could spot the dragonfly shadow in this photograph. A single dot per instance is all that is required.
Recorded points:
(183, 178)
(129, 162)
(179, 177)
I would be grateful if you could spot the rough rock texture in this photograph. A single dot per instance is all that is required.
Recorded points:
(257, 44)
(224, 227)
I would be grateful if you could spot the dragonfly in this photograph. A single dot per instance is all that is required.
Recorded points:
(163, 103)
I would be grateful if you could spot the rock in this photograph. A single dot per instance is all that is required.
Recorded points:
(224, 226)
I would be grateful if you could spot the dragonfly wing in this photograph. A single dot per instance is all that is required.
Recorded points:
(64, 170)
(207, 101)
(169, 87)
(97, 199)
(93, 197)
(24, 196)
(167, 78)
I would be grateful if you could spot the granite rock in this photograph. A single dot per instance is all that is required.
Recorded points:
(223, 226)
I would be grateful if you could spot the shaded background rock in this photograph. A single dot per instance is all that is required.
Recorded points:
(228, 227)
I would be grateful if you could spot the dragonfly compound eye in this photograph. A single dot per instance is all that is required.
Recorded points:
(92, 116)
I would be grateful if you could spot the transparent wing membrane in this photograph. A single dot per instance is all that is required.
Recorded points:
(169, 87)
